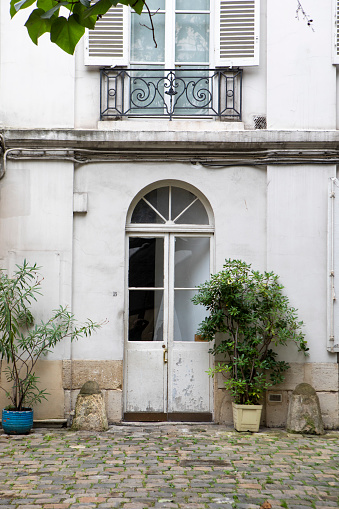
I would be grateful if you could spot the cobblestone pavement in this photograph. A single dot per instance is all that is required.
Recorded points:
(168, 466)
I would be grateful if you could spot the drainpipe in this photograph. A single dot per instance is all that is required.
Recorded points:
(333, 183)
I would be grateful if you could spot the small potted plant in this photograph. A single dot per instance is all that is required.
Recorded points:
(248, 316)
(23, 343)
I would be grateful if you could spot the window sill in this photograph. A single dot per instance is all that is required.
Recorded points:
(164, 125)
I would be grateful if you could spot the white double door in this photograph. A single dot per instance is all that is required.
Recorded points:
(166, 363)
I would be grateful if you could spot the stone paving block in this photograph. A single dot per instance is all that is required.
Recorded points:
(109, 505)
(176, 462)
(56, 506)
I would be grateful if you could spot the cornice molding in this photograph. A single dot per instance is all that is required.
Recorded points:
(224, 147)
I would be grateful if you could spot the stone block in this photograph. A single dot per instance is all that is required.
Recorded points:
(112, 399)
(293, 377)
(73, 398)
(113, 402)
(329, 405)
(223, 408)
(322, 376)
(66, 374)
(108, 374)
(67, 403)
(276, 412)
(222, 404)
(304, 414)
(220, 378)
(90, 410)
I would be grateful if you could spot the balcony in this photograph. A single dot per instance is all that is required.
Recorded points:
(171, 93)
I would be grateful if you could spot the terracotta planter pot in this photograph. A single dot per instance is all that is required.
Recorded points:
(246, 417)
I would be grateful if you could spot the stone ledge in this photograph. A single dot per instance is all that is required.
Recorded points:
(108, 374)
(49, 423)
(146, 137)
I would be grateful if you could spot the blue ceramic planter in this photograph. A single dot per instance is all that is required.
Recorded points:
(17, 422)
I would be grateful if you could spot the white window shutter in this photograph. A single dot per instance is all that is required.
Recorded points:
(237, 36)
(108, 44)
(336, 32)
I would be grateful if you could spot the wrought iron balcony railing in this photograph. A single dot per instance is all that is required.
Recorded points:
(171, 93)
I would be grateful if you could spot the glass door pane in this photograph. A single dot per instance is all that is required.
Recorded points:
(191, 261)
(146, 262)
(187, 316)
(192, 38)
(190, 5)
(191, 268)
(146, 315)
(143, 48)
(146, 289)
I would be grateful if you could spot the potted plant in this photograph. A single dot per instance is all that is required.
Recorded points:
(23, 343)
(248, 316)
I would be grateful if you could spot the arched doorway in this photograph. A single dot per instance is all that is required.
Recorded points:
(169, 233)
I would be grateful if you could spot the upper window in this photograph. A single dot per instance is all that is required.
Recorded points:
(182, 30)
(170, 205)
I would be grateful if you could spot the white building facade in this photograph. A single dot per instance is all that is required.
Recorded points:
(129, 173)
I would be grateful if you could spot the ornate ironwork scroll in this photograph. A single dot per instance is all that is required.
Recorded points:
(182, 92)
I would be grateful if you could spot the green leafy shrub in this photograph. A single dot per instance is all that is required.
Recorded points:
(22, 342)
(251, 314)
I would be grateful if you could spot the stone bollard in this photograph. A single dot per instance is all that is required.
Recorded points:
(304, 414)
(90, 412)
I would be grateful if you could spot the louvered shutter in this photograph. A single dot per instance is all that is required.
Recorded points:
(108, 43)
(336, 32)
(237, 37)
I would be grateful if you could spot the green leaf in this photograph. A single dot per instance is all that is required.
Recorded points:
(66, 33)
(137, 5)
(54, 9)
(78, 12)
(99, 8)
(36, 26)
(15, 6)
(46, 4)
(86, 3)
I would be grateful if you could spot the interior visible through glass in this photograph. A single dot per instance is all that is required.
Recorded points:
(191, 268)
(143, 213)
(191, 261)
(190, 5)
(146, 270)
(146, 315)
(187, 316)
(181, 198)
(146, 262)
(192, 38)
(142, 45)
(196, 214)
(155, 207)
(159, 199)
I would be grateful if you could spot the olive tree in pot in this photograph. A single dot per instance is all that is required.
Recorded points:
(23, 343)
(248, 316)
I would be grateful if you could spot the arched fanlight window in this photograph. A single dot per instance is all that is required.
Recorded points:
(170, 205)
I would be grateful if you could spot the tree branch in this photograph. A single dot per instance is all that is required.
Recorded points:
(150, 15)
(300, 10)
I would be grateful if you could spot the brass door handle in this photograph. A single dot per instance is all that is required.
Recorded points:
(165, 356)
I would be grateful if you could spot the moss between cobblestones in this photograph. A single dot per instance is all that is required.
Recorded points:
(178, 465)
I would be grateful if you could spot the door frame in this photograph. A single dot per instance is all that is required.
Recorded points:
(168, 344)
(165, 231)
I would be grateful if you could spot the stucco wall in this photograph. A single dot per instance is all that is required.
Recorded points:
(274, 217)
